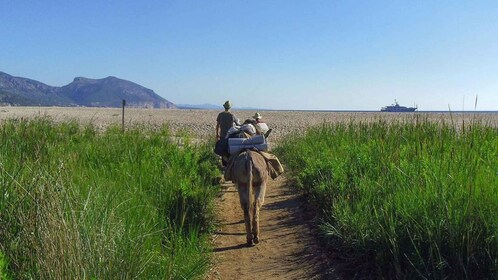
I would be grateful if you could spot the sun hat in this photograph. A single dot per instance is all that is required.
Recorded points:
(227, 104)
(256, 116)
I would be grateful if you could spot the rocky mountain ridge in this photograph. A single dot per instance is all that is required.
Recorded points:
(106, 92)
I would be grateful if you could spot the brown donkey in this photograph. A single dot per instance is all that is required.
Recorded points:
(250, 175)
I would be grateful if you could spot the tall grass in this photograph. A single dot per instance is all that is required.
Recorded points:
(76, 203)
(405, 200)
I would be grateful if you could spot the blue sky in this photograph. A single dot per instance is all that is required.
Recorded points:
(323, 55)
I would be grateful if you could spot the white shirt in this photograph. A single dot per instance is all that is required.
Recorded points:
(263, 127)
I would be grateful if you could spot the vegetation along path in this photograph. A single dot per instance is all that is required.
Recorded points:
(287, 249)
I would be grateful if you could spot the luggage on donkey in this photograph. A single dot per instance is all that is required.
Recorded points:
(240, 138)
(221, 147)
(235, 145)
(237, 142)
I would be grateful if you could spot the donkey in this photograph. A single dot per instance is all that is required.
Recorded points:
(250, 175)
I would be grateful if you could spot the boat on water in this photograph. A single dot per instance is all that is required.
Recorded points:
(397, 108)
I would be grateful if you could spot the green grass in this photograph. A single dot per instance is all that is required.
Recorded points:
(404, 200)
(3, 267)
(76, 203)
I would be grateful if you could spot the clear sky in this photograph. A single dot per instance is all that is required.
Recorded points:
(323, 55)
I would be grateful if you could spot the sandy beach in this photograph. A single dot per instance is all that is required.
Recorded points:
(201, 123)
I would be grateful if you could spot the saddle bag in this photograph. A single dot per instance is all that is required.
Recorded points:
(221, 147)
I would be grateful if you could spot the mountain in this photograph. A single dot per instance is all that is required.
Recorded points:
(107, 92)
(110, 91)
(27, 92)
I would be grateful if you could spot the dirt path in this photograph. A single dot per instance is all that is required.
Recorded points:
(287, 249)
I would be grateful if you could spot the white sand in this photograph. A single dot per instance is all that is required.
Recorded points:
(202, 123)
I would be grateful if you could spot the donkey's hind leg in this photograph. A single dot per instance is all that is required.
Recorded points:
(243, 191)
(259, 196)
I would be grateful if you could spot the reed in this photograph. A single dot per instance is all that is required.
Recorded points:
(78, 203)
(405, 199)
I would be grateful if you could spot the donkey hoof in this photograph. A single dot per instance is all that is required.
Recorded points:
(256, 240)
(250, 243)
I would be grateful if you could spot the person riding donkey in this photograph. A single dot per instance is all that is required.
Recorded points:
(251, 127)
(263, 127)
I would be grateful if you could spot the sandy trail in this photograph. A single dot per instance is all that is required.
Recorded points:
(287, 249)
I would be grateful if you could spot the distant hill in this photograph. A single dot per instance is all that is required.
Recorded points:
(107, 92)
(200, 106)
(27, 92)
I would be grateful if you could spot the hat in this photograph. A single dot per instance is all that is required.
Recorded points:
(256, 116)
(227, 104)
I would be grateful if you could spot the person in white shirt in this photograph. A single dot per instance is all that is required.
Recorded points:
(263, 127)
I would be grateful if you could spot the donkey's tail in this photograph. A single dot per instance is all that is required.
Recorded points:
(249, 168)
